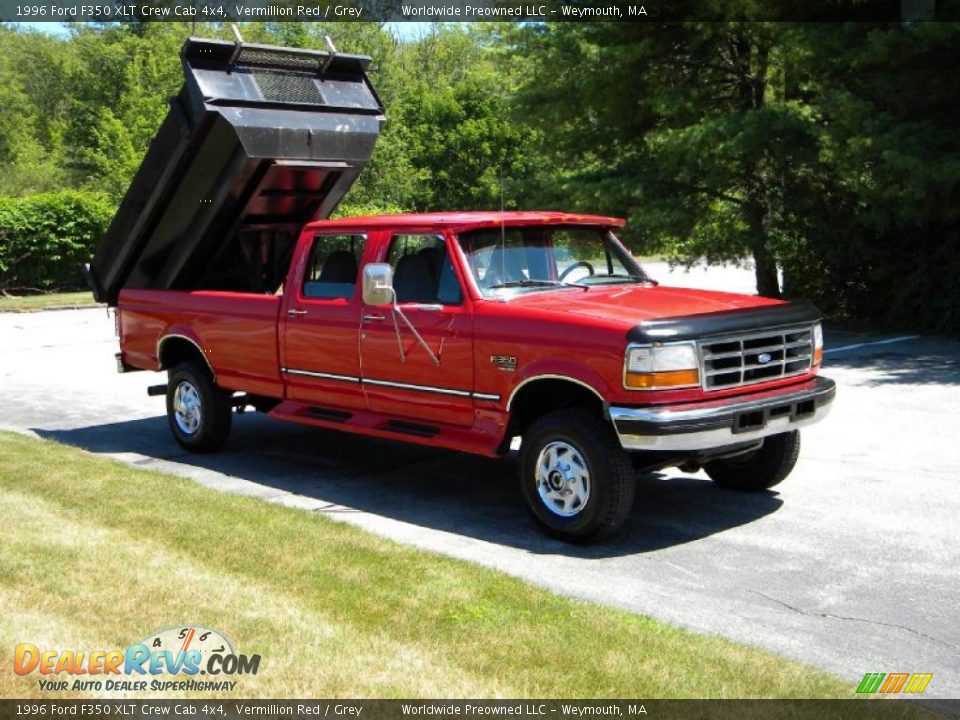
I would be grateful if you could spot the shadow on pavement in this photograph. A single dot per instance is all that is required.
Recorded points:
(919, 361)
(923, 368)
(462, 494)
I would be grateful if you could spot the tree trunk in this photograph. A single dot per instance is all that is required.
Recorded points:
(765, 269)
(756, 211)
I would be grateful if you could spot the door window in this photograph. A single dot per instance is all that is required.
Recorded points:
(423, 271)
(333, 266)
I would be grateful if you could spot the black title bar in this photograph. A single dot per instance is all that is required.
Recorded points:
(854, 709)
(478, 11)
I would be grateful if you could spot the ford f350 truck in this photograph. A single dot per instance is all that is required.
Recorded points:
(460, 330)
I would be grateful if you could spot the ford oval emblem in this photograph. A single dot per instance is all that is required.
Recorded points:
(764, 358)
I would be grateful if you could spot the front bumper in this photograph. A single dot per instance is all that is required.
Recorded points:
(718, 423)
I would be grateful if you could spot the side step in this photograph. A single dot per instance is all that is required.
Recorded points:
(330, 414)
(481, 439)
(412, 428)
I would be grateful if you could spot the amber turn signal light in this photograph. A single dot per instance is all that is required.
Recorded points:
(668, 379)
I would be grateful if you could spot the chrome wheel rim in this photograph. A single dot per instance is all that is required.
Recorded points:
(187, 412)
(563, 479)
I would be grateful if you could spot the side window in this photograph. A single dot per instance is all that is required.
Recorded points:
(423, 271)
(333, 266)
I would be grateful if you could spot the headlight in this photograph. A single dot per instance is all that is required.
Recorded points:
(817, 344)
(662, 366)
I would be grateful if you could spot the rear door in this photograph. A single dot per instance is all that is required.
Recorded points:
(319, 348)
(400, 378)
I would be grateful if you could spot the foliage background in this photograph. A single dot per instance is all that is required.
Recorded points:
(829, 152)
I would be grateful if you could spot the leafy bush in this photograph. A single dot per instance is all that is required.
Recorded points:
(348, 209)
(45, 238)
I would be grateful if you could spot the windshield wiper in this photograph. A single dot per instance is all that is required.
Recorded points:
(617, 279)
(538, 283)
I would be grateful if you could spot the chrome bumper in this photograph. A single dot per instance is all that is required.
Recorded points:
(728, 421)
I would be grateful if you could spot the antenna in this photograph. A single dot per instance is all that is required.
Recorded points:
(503, 234)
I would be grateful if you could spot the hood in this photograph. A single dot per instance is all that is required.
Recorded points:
(633, 304)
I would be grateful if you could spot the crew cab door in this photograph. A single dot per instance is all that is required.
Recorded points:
(409, 384)
(319, 341)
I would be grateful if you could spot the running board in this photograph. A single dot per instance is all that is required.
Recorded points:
(330, 414)
(481, 439)
(412, 428)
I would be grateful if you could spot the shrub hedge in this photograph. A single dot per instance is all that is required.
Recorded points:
(44, 239)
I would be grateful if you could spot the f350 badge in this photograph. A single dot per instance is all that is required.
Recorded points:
(507, 363)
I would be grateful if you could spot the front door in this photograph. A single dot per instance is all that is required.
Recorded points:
(401, 378)
(319, 345)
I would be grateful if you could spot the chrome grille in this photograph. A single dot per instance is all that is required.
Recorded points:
(736, 360)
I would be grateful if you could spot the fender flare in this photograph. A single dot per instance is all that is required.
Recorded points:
(557, 375)
(173, 334)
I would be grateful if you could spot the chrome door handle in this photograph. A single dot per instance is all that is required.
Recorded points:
(374, 317)
(293, 312)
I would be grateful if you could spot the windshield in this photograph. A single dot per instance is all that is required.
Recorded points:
(536, 258)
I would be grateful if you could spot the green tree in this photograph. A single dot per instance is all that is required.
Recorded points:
(683, 128)
(31, 122)
(454, 116)
(887, 248)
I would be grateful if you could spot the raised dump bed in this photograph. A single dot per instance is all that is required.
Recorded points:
(259, 141)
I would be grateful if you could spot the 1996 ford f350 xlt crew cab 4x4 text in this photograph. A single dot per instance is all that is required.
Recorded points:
(455, 330)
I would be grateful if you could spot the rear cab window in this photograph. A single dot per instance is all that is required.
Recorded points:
(333, 266)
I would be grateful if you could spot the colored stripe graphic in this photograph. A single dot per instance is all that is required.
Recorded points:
(870, 683)
(893, 683)
(918, 682)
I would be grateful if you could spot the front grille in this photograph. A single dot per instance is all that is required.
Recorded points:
(737, 360)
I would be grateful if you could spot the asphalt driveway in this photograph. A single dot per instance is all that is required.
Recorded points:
(850, 565)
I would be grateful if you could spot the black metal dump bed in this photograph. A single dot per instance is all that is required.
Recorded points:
(259, 141)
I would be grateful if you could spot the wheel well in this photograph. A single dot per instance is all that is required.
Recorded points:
(547, 395)
(175, 350)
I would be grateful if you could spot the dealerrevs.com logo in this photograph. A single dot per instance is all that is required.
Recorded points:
(169, 660)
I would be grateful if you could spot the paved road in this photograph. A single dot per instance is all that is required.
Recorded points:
(851, 565)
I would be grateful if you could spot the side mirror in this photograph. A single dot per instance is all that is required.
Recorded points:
(378, 284)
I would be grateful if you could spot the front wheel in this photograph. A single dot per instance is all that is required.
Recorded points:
(578, 482)
(761, 469)
(198, 412)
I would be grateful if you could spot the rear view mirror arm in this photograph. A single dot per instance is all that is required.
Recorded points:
(398, 311)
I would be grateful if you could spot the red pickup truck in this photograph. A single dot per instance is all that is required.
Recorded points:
(468, 331)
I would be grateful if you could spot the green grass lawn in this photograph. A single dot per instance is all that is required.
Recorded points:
(28, 303)
(97, 554)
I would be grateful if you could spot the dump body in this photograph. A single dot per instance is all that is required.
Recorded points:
(259, 141)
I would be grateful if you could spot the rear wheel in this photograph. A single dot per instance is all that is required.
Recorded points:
(761, 469)
(578, 482)
(198, 412)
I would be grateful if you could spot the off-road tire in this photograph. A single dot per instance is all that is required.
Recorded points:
(760, 469)
(612, 480)
(215, 411)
